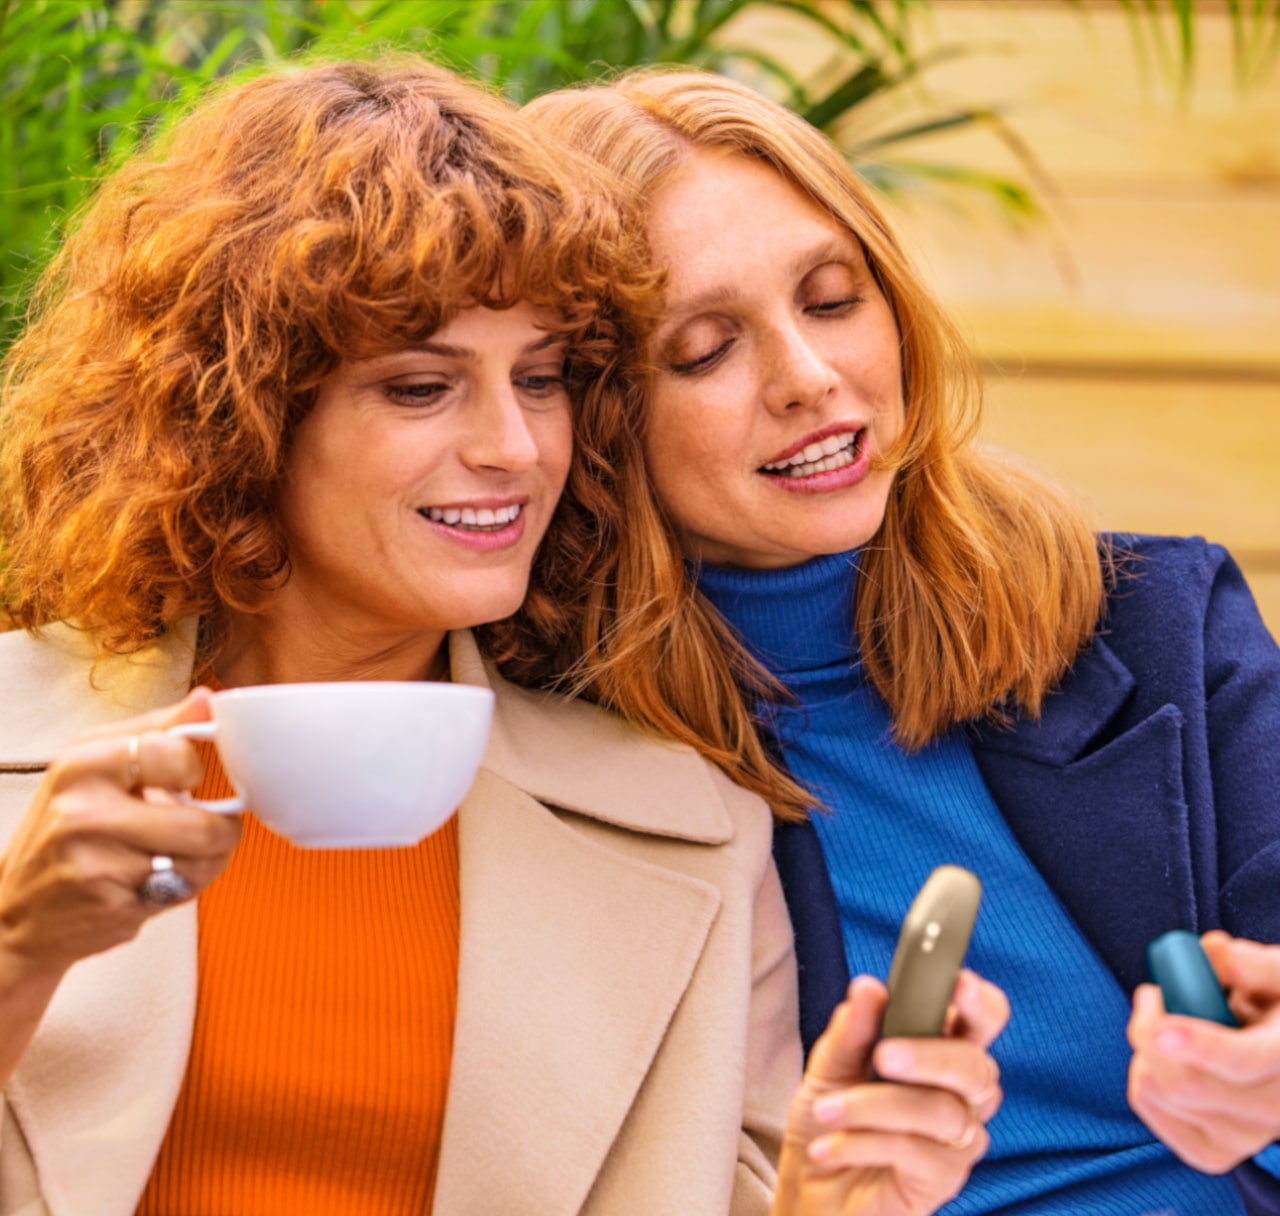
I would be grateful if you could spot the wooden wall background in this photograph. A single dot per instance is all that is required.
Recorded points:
(1133, 346)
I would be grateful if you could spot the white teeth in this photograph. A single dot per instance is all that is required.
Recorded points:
(474, 517)
(831, 453)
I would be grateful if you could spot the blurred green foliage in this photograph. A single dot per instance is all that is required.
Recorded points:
(81, 81)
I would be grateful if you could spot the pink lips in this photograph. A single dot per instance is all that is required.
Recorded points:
(836, 428)
(483, 542)
(834, 479)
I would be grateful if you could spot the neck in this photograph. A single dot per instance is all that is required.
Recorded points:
(794, 619)
(276, 648)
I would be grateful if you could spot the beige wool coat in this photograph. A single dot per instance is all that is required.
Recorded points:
(626, 1025)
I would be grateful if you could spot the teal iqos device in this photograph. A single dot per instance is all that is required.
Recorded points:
(1177, 962)
(931, 947)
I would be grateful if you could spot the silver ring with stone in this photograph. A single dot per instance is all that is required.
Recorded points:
(164, 886)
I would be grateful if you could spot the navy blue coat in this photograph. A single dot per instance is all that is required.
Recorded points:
(1148, 793)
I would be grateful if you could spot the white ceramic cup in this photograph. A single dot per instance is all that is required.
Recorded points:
(357, 765)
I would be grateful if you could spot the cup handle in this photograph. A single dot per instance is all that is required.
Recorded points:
(219, 806)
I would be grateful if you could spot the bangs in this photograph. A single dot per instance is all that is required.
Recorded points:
(401, 287)
(397, 221)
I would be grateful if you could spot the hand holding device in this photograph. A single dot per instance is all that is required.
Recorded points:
(1198, 1062)
(902, 1148)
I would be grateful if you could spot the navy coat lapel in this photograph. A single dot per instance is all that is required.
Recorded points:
(815, 917)
(1094, 793)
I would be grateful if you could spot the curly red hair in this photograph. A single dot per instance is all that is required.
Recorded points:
(310, 215)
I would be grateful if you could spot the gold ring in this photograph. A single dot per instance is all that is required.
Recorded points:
(135, 762)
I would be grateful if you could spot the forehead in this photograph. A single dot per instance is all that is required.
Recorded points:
(724, 215)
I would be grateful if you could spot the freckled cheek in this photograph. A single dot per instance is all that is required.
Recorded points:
(883, 385)
(692, 448)
(890, 417)
(555, 452)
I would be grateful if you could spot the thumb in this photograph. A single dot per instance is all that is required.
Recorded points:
(194, 707)
(842, 1055)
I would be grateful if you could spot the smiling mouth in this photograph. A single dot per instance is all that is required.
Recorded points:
(825, 455)
(473, 519)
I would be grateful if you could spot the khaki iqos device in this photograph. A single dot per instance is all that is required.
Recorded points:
(931, 947)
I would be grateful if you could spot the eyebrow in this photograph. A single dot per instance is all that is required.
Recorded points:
(831, 250)
(836, 248)
(449, 351)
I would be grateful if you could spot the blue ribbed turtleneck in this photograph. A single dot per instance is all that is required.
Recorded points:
(1065, 1140)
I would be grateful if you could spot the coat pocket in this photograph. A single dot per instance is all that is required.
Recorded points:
(1110, 833)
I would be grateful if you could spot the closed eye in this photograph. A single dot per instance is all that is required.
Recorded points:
(702, 362)
(834, 308)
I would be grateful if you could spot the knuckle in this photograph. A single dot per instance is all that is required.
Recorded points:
(67, 768)
(182, 758)
(1195, 1089)
(1000, 1007)
(86, 871)
(74, 813)
(1202, 1157)
(981, 1143)
(1139, 1092)
(214, 835)
(201, 873)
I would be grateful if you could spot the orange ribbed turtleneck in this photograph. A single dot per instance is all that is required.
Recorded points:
(323, 1033)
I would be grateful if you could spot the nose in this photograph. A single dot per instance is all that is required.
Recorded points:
(498, 436)
(799, 373)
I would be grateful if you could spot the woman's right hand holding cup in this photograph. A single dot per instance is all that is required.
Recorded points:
(904, 1143)
(71, 875)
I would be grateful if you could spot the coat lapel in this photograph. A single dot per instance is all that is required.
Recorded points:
(1095, 796)
(574, 956)
(94, 1091)
(555, 925)
(573, 960)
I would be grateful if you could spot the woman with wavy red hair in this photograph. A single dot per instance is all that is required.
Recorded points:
(947, 656)
(297, 404)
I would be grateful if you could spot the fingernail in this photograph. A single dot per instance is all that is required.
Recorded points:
(1172, 1041)
(828, 1110)
(822, 1150)
(894, 1059)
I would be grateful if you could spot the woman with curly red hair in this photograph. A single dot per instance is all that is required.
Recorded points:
(297, 404)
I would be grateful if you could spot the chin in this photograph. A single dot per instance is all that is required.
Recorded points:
(486, 605)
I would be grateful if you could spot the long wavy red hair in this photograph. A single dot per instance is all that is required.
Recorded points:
(984, 581)
(313, 214)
